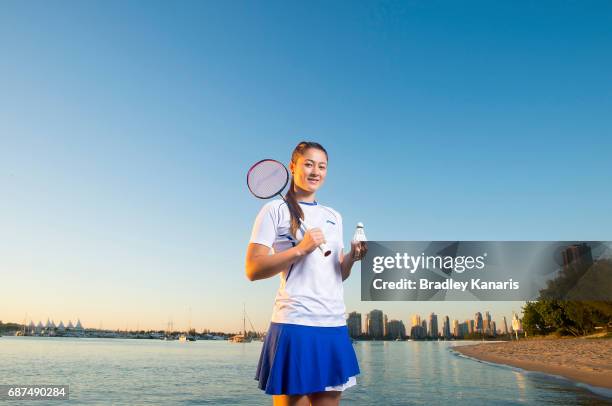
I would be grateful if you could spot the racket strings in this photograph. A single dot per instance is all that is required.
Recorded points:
(267, 178)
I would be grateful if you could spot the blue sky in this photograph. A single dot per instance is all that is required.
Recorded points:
(126, 129)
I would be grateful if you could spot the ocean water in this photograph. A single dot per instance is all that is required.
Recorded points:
(124, 371)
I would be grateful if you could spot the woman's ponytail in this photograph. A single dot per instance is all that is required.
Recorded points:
(295, 210)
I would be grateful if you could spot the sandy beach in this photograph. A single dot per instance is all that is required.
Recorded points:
(583, 360)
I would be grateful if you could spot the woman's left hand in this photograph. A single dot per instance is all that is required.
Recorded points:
(358, 250)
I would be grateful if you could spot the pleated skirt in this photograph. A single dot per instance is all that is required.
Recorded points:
(298, 360)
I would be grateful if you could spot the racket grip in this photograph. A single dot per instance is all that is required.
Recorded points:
(323, 247)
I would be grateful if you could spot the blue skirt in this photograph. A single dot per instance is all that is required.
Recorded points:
(298, 360)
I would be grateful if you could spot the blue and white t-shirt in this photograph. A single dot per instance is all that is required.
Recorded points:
(311, 291)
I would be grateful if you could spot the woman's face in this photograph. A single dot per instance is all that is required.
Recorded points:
(310, 170)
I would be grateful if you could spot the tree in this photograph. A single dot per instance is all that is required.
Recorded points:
(566, 317)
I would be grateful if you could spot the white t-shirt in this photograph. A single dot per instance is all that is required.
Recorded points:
(311, 291)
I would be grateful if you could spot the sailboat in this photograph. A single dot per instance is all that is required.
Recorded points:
(168, 336)
(241, 338)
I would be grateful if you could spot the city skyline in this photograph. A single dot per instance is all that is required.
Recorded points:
(378, 325)
(408, 322)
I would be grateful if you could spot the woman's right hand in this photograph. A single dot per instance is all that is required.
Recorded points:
(312, 239)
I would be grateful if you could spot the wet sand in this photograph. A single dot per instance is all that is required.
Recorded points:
(583, 360)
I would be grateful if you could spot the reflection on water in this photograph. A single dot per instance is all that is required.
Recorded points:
(520, 385)
(102, 371)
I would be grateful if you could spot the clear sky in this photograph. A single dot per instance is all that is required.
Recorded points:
(127, 128)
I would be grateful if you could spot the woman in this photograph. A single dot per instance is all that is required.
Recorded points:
(307, 356)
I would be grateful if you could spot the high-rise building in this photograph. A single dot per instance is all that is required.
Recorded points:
(577, 255)
(470, 324)
(505, 330)
(385, 326)
(478, 327)
(464, 328)
(517, 325)
(456, 328)
(396, 329)
(493, 329)
(416, 326)
(433, 326)
(416, 331)
(375, 324)
(354, 324)
(446, 328)
(487, 327)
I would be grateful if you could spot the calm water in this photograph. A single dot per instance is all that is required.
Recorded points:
(104, 371)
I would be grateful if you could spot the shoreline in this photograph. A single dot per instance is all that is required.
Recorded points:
(585, 361)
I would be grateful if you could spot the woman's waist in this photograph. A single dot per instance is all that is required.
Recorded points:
(309, 301)
(308, 327)
(312, 313)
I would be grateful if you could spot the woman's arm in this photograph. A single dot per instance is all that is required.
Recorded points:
(261, 265)
(358, 251)
(346, 263)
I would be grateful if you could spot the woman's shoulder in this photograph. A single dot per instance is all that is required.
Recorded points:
(273, 206)
(274, 203)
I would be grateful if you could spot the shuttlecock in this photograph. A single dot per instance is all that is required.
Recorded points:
(359, 233)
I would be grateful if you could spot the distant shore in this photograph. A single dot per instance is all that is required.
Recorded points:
(582, 360)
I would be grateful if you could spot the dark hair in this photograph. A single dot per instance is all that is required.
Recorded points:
(294, 208)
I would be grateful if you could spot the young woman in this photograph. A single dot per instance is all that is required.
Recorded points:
(307, 356)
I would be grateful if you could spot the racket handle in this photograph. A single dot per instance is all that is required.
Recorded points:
(326, 251)
(323, 247)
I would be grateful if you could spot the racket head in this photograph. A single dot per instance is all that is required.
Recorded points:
(267, 178)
